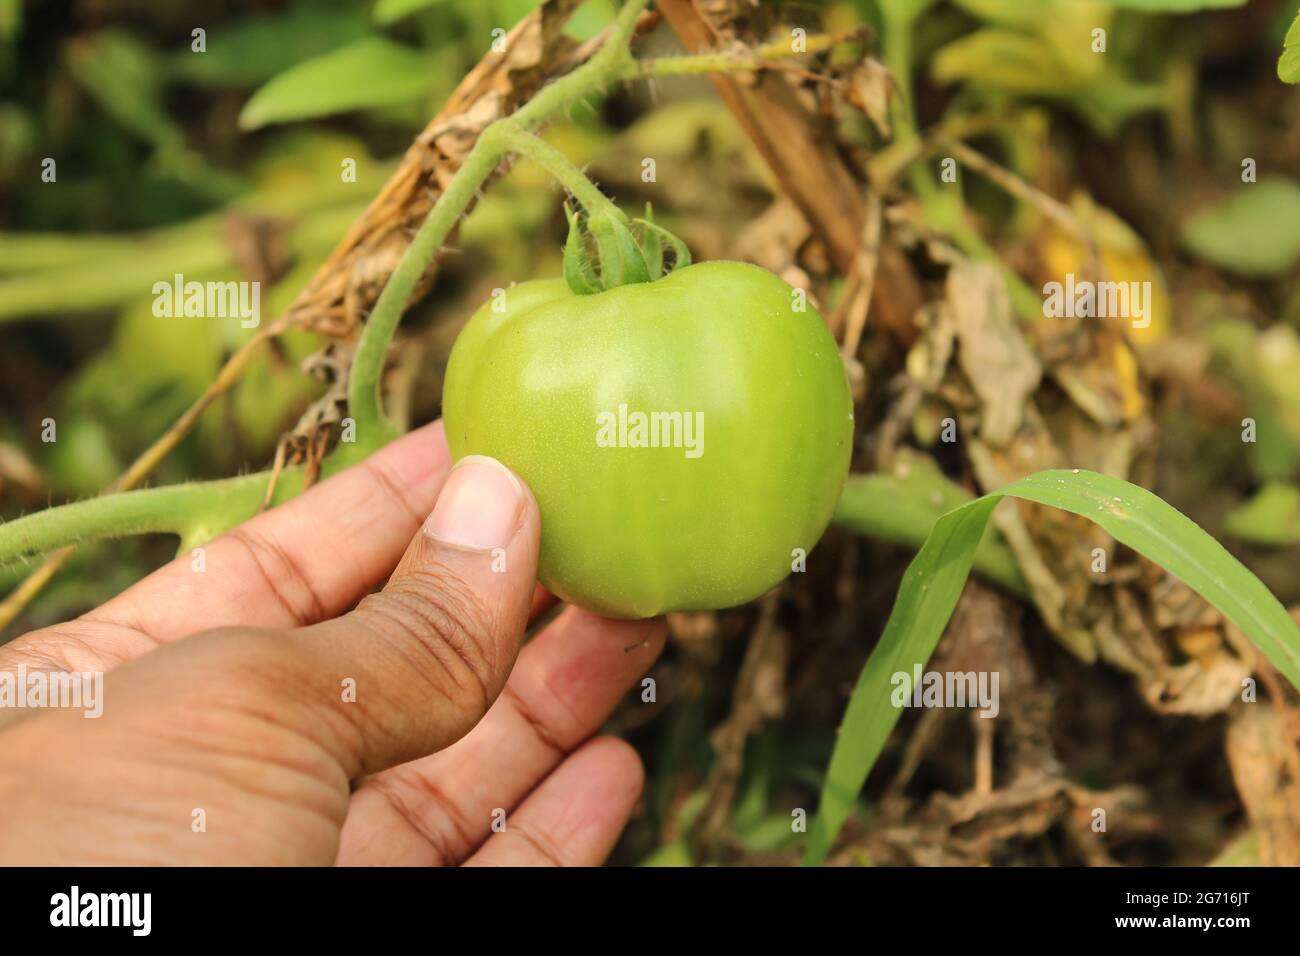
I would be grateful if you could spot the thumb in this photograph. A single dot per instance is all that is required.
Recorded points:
(430, 653)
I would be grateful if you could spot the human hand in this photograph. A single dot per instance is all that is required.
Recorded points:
(247, 726)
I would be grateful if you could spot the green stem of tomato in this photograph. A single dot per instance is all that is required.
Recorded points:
(772, 56)
(197, 511)
(193, 511)
(512, 134)
(516, 139)
(373, 429)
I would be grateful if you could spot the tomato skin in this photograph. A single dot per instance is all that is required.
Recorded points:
(639, 531)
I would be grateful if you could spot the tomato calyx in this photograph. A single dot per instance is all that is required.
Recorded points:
(605, 250)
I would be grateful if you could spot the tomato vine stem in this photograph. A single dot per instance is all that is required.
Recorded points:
(513, 134)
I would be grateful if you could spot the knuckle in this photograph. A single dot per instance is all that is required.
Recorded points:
(548, 853)
(387, 485)
(443, 629)
(280, 574)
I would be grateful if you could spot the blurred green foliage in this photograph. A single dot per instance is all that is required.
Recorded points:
(1254, 231)
(1288, 64)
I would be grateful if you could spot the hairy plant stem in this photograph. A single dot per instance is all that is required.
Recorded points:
(187, 510)
(512, 134)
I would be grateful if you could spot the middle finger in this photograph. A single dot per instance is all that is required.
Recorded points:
(437, 810)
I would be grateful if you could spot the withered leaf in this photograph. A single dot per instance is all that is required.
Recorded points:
(992, 351)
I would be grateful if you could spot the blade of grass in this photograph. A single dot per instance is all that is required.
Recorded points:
(902, 510)
(935, 578)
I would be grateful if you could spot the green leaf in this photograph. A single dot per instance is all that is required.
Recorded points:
(661, 238)
(611, 258)
(11, 19)
(1005, 59)
(902, 508)
(669, 854)
(589, 19)
(510, 12)
(253, 49)
(1254, 232)
(1007, 13)
(935, 578)
(1273, 454)
(1022, 13)
(1176, 6)
(578, 271)
(1288, 64)
(370, 73)
(903, 11)
(121, 73)
(621, 261)
(1271, 517)
(390, 11)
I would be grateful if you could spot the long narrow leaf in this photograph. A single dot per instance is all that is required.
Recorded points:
(936, 576)
(1288, 65)
(370, 73)
(903, 511)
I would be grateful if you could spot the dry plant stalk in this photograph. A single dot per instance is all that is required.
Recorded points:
(350, 280)
(808, 166)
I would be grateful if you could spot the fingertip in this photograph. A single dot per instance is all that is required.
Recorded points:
(620, 763)
(481, 506)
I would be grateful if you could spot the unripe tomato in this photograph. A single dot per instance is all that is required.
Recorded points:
(550, 383)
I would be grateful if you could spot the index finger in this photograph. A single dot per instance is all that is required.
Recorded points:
(303, 562)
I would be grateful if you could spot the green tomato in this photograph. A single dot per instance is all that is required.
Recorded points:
(684, 438)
